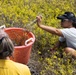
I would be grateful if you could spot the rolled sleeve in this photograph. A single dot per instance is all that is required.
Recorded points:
(65, 32)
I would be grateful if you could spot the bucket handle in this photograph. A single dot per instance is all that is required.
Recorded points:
(30, 39)
(2, 27)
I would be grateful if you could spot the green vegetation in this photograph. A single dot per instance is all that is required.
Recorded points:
(18, 13)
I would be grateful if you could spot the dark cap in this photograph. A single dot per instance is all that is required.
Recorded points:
(3, 34)
(67, 15)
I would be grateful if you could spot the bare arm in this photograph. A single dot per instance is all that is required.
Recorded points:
(48, 28)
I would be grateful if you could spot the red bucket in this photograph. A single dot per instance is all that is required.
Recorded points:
(24, 41)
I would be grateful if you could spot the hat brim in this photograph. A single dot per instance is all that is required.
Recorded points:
(61, 17)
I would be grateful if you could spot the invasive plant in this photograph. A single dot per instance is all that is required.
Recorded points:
(18, 13)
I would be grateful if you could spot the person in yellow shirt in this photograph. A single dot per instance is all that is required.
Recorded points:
(7, 66)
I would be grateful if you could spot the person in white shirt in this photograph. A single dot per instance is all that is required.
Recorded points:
(68, 33)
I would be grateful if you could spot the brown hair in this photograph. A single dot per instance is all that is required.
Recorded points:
(74, 23)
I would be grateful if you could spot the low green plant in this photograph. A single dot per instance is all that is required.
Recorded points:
(19, 13)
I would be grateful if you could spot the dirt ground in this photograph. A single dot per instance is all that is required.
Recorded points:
(33, 64)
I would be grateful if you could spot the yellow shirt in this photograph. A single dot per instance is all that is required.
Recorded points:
(9, 67)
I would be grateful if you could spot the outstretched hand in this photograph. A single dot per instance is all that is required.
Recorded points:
(39, 20)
